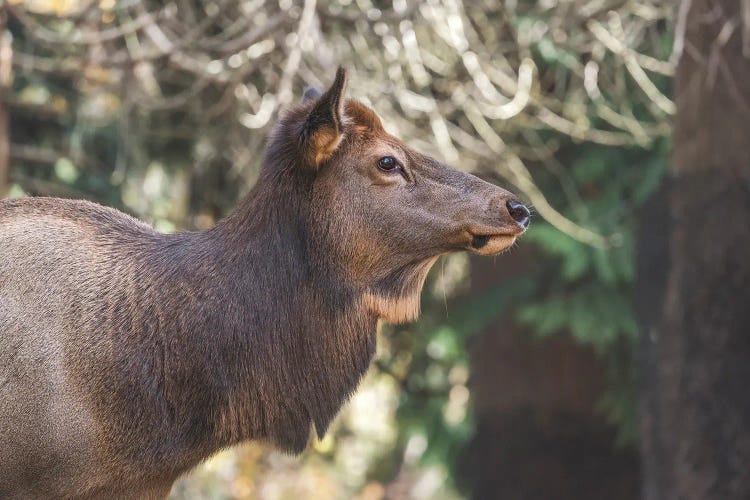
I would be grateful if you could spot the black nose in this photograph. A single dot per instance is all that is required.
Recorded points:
(519, 212)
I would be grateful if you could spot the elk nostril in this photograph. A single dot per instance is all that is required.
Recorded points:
(518, 212)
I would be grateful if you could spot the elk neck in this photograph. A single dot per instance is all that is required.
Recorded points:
(297, 329)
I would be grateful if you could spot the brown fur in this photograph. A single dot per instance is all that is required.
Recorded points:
(127, 356)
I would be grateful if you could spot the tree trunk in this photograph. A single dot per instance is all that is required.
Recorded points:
(694, 267)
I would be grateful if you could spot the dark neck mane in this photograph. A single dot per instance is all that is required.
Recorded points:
(245, 331)
(301, 335)
(231, 334)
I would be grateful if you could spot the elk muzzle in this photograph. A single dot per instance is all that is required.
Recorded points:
(493, 238)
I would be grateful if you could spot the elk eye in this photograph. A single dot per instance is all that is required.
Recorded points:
(388, 163)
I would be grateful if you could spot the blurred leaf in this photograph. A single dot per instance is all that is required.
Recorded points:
(66, 171)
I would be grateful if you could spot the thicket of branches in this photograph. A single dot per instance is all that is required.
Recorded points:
(482, 83)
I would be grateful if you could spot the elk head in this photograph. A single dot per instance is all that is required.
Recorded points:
(382, 211)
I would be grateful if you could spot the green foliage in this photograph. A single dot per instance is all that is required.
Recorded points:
(593, 314)
(434, 403)
(590, 289)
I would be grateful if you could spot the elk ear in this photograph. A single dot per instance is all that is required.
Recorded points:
(323, 126)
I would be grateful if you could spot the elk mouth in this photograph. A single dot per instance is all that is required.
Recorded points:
(492, 243)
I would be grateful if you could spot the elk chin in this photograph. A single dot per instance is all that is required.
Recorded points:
(398, 299)
(491, 244)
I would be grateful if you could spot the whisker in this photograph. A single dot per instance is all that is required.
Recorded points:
(442, 278)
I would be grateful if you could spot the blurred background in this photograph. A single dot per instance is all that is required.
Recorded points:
(524, 377)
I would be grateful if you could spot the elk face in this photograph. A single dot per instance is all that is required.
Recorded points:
(387, 211)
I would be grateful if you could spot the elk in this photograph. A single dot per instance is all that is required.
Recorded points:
(127, 356)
